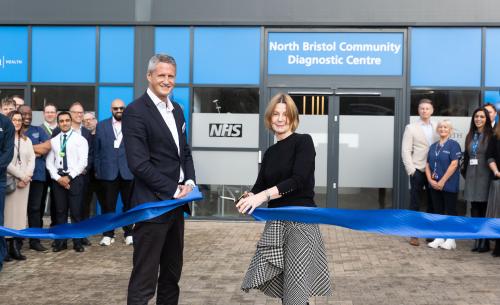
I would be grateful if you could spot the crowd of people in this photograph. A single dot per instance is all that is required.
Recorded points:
(434, 162)
(69, 158)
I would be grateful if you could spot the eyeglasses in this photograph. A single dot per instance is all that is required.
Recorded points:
(77, 112)
(118, 108)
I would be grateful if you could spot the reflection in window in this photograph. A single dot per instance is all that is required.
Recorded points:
(226, 100)
(11, 92)
(63, 96)
(218, 201)
(366, 105)
(447, 102)
(311, 104)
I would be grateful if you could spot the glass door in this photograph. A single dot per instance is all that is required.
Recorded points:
(365, 149)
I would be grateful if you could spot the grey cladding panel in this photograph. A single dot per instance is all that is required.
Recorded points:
(255, 12)
(67, 11)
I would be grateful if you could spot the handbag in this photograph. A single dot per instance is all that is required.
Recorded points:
(10, 185)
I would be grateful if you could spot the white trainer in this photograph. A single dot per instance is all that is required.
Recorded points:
(106, 241)
(449, 244)
(436, 243)
(129, 240)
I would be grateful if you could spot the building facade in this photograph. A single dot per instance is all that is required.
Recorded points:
(356, 70)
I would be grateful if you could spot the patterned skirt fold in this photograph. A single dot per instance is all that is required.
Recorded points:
(289, 263)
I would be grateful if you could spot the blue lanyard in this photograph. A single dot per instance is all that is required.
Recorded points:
(437, 152)
(475, 144)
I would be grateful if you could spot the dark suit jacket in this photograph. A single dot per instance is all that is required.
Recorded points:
(90, 140)
(109, 162)
(152, 154)
(6, 145)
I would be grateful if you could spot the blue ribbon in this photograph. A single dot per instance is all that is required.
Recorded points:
(105, 222)
(390, 222)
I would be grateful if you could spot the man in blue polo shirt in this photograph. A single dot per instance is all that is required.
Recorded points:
(6, 153)
(35, 205)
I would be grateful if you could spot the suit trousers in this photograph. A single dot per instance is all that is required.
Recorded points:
(35, 205)
(110, 191)
(69, 201)
(417, 183)
(157, 247)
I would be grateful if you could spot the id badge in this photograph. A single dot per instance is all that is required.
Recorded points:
(473, 162)
(117, 144)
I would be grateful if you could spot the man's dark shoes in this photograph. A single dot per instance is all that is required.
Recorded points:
(38, 247)
(59, 247)
(78, 248)
(86, 242)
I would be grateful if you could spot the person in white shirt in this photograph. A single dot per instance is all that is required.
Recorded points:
(66, 162)
(417, 139)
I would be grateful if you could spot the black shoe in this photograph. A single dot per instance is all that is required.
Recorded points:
(86, 242)
(59, 247)
(78, 248)
(7, 258)
(476, 245)
(37, 246)
(484, 245)
(14, 250)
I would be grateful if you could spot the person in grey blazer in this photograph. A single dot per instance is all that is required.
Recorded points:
(417, 138)
(478, 175)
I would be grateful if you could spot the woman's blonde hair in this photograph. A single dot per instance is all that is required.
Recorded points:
(292, 113)
(445, 122)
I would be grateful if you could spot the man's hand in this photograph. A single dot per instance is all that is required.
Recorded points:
(184, 190)
(64, 182)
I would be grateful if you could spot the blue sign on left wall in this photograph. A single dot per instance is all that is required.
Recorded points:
(13, 54)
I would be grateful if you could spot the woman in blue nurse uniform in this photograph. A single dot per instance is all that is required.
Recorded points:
(443, 176)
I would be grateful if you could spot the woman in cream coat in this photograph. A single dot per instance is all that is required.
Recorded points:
(21, 168)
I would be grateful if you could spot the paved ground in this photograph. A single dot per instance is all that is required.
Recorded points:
(366, 269)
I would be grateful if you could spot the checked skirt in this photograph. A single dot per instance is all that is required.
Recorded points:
(289, 263)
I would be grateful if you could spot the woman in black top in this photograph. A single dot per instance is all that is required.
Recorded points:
(290, 261)
(493, 159)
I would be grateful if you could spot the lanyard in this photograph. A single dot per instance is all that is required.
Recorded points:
(18, 150)
(475, 144)
(437, 152)
(64, 142)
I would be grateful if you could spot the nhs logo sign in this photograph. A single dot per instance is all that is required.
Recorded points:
(225, 130)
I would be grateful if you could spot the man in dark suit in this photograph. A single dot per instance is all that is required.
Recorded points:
(112, 172)
(160, 159)
(6, 153)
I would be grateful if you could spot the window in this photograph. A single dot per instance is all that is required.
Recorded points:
(226, 100)
(63, 97)
(447, 102)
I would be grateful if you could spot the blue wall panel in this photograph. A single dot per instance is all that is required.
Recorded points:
(226, 56)
(63, 54)
(181, 96)
(446, 57)
(14, 54)
(116, 55)
(175, 41)
(108, 94)
(492, 61)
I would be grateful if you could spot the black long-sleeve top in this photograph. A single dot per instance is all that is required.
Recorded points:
(289, 165)
(493, 152)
